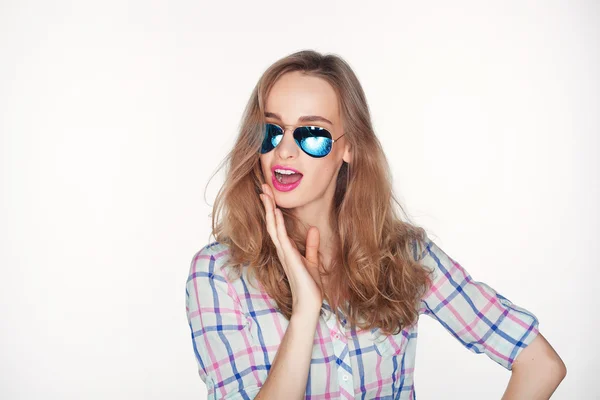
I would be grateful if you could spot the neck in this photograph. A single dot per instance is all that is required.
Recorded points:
(318, 215)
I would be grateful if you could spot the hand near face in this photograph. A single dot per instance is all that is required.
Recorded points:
(302, 272)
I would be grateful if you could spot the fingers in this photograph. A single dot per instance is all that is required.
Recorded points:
(312, 245)
(269, 194)
(284, 240)
(275, 222)
(271, 220)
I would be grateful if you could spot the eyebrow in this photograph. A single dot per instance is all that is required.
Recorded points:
(304, 118)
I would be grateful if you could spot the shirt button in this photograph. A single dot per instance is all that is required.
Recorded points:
(337, 336)
(345, 377)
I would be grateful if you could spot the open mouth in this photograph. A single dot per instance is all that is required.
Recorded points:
(287, 179)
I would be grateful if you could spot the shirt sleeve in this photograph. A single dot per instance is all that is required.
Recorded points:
(481, 319)
(221, 338)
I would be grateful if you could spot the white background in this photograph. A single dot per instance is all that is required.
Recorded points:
(114, 115)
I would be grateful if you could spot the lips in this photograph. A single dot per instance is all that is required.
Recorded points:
(282, 187)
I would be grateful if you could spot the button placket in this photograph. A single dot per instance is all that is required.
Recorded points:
(340, 345)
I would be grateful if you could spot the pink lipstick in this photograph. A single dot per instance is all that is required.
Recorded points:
(282, 187)
(285, 187)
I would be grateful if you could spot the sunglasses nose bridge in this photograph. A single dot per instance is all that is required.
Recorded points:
(288, 144)
(291, 129)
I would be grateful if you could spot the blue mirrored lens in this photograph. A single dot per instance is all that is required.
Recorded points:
(272, 137)
(313, 140)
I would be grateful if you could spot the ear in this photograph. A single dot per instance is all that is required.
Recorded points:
(347, 153)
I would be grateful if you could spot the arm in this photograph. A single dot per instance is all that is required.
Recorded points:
(536, 372)
(480, 318)
(484, 321)
(230, 361)
(289, 373)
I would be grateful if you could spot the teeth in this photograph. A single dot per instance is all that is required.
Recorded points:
(284, 171)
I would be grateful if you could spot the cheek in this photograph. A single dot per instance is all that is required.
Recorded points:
(321, 174)
(264, 165)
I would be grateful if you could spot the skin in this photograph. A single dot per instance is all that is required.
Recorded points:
(292, 97)
(537, 371)
(295, 95)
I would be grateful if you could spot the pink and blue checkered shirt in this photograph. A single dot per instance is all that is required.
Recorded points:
(236, 331)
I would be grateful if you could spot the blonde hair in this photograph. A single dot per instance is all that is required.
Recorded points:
(375, 279)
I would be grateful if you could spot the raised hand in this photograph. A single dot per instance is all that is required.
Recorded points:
(302, 272)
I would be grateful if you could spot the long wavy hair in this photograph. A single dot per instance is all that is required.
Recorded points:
(375, 280)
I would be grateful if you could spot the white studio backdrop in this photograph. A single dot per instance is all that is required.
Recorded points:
(114, 115)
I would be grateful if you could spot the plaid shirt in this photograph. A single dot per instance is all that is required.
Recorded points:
(236, 330)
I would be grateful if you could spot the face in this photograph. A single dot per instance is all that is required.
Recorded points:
(295, 95)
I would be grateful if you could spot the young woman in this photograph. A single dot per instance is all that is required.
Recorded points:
(314, 283)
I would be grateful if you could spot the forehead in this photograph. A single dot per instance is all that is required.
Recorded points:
(295, 94)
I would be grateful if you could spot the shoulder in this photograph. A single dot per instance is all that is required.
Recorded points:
(209, 259)
(422, 248)
(215, 250)
(437, 262)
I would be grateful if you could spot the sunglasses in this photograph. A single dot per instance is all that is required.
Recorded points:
(313, 140)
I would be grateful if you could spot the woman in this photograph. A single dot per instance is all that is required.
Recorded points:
(314, 285)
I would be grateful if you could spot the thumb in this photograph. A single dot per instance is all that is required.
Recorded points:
(312, 245)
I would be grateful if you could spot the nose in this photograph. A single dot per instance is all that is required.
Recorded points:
(287, 147)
